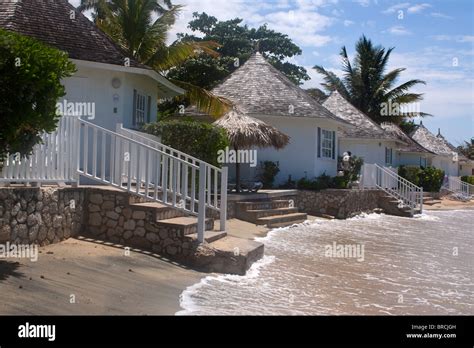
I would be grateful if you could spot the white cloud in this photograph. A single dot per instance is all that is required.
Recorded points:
(399, 30)
(456, 38)
(396, 7)
(348, 23)
(418, 8)
(364, 3)
(440, 15)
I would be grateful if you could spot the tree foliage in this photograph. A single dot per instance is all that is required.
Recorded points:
(198, 139)
(367, 84)
(237, 43)
(131, 24)
(467, 149)
(30, 85)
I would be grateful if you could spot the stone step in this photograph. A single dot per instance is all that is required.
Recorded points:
(161, 211)
(185, 225)
(282, 220)
(432, 202)
(209, 236)
(231, 255)
(262, 205)
(258, 213)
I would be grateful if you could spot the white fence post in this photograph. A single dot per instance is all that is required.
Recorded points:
(223, 205)
(202, 201)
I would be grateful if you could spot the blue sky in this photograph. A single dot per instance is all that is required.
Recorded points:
(433, 40)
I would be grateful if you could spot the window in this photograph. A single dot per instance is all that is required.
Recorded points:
(326, 143)
(388, 156)
(141, 108)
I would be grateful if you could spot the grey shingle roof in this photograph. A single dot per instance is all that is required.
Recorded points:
(409, 145)
(429, 141)
(453, 148)
(50, 22)
(257, 88)
(364, 127)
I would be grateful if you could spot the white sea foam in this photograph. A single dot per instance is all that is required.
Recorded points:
(186, 299)
(409, 268)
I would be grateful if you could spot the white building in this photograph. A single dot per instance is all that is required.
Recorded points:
(263, 92)
(445, 157)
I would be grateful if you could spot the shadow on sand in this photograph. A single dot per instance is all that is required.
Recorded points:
(9, 269)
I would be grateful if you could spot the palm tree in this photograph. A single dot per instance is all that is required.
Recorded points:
(130, 24)
(367, 85)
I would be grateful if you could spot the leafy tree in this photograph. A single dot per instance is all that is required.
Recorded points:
(130, 24)
(30, 85)
(317, 94)
(198, 139)
(408, 126)
(467, 149)
(237, 43)
(368, 86)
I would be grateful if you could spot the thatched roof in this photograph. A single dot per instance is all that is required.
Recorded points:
(258, 89)
(50, 22)
(409, 145)
(245, 132)
(364, 126)
(429, 141)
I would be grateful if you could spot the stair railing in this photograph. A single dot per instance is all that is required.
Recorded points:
(410, 195)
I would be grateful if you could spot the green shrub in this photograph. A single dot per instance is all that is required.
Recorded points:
(430, 178)
(268, 173)
(468, 179)
(198, 139)
(30, 86)
(323, 182)
(412, 174)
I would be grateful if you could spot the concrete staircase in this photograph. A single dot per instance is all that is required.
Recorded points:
(392, 206)
(220, 252)
(429, 200)
(185, 225)
(273, 213)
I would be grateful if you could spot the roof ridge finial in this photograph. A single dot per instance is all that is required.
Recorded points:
(257, 46)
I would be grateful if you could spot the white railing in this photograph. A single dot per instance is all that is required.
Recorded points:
(410, 195)
(147, 169)
(170, 177)
(456, 185)
(50, 161)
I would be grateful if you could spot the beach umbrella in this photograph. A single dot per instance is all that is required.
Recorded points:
(245, 132)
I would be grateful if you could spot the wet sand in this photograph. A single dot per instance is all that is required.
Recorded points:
(408, 266)
(102, 279)
(449, 204)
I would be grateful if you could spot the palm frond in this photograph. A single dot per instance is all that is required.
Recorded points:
(168, 57)
(332, 82)
(204, 100)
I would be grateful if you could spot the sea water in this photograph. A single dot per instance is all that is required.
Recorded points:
(410, 266)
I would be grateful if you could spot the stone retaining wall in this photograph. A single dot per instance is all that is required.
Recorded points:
(33, 215)
(110, 217)
(341, 204)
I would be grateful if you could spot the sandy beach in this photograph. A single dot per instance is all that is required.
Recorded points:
(100, 277)
(103, 280)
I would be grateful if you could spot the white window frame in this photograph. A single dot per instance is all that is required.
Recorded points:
(388, 156)
(327, 143)
(140, 108)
